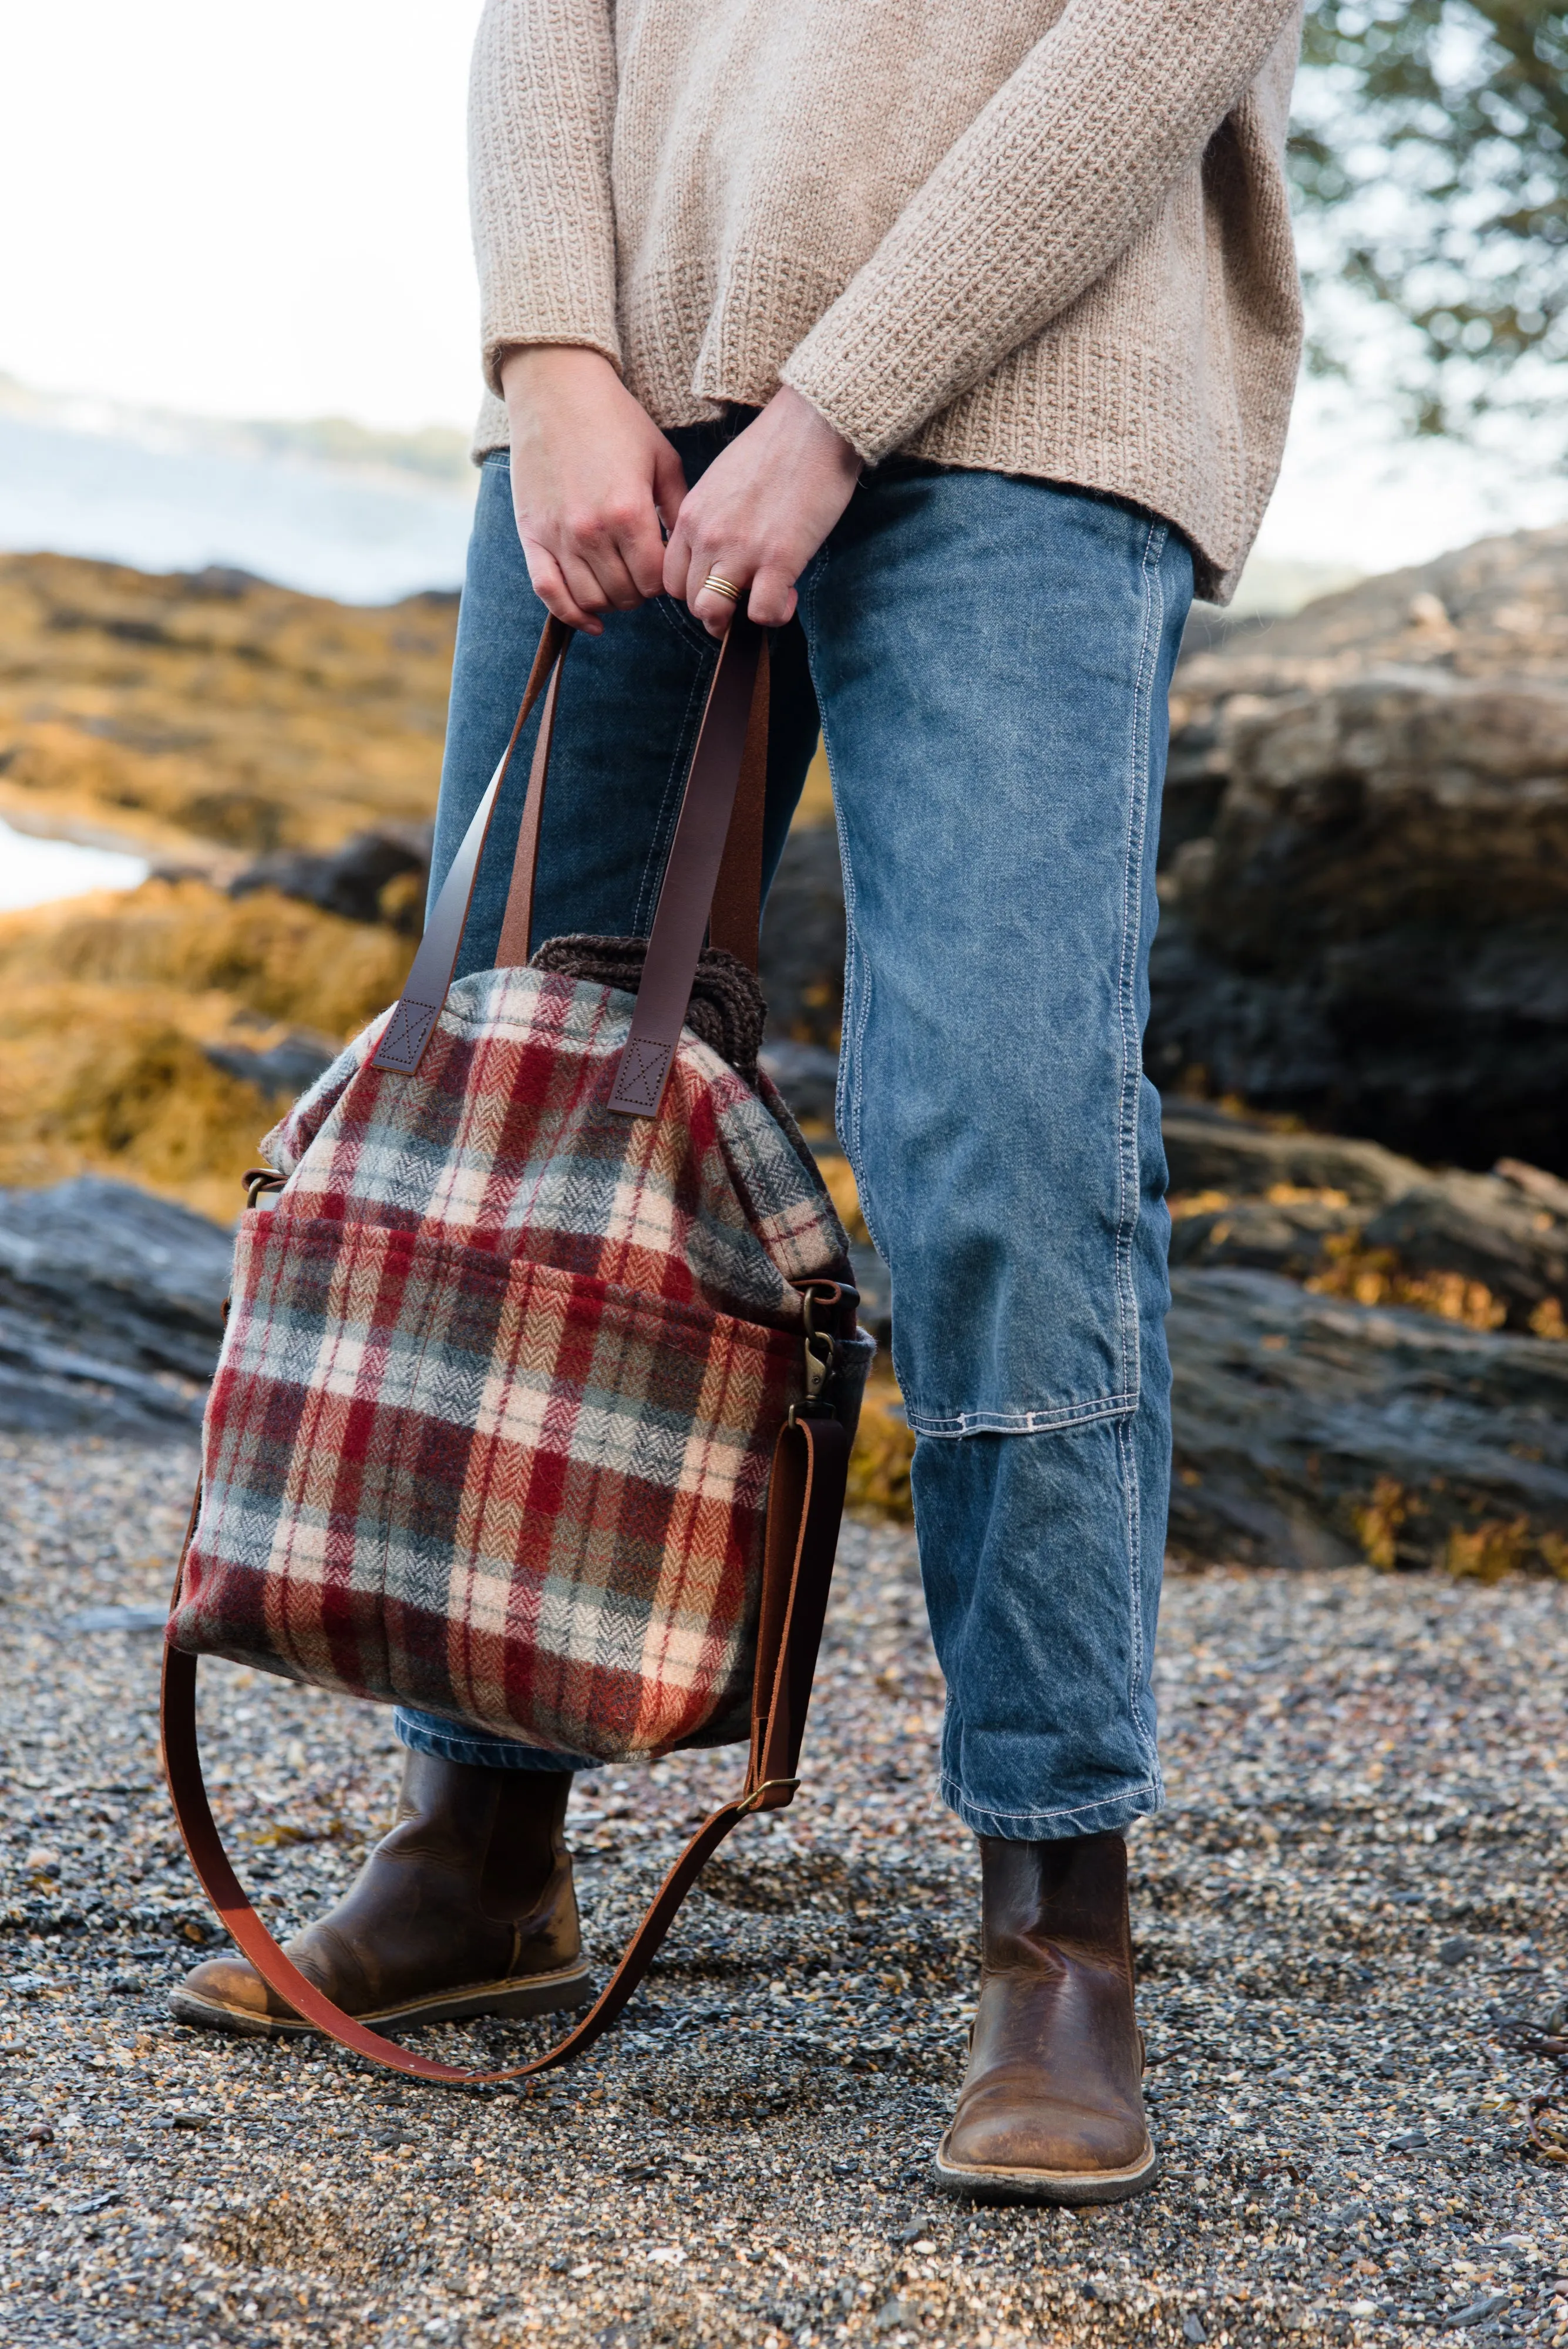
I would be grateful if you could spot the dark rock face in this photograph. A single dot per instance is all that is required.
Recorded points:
(290, 1067)
(379, 875)
(807, 1075)
(1315, 1417)
(1311, 1431)
(1206, 1150)
(1508, 1230)
(1232, 1183)
(1365, 852)
(802, 945)
(112, 1309)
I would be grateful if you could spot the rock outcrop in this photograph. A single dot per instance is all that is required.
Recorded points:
(209, 718)
(1355, 1216)
(112, 1309)
(378, 875)
(1312, 1431)
(1318, 1418)
(1366, 885)
(1317, 1415)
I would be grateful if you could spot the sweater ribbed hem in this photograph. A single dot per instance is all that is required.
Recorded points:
(1114, 418)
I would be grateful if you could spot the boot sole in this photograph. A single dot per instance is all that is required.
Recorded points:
(568, 1986)
(1065, 2188)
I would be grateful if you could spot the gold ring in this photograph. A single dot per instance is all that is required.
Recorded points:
(719, 585)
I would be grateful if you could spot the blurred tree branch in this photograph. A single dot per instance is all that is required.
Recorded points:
(1430, 159)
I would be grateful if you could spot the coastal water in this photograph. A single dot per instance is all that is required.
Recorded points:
(33, 871)
(362, 536)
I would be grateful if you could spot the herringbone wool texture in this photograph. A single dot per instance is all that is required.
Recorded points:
(492, 1427)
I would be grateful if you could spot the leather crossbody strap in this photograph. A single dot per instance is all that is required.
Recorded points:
(806, 1500)
(713, 877)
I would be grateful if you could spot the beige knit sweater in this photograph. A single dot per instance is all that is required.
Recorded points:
(1035, 237)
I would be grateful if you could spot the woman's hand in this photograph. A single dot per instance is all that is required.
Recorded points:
(760, 513)
(592, 476)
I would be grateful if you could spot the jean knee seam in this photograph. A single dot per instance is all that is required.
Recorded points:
(1067, 1419)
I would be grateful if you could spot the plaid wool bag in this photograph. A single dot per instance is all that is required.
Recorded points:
(541, 1365)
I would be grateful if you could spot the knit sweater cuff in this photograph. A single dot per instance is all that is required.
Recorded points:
(542, 328)
(844, 396)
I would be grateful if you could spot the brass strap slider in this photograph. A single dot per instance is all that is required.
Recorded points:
(752, 1801)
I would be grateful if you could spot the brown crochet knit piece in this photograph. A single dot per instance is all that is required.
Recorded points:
(726, 1011)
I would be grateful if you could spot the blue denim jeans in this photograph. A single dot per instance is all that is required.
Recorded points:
(988, 659)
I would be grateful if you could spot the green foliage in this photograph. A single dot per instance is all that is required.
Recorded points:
(1430, 157)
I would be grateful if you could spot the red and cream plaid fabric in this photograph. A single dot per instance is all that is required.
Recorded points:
(492, 1427)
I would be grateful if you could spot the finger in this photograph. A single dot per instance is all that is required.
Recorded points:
(609, 565)
(582, 580)
(678, 563)
(669, 483)
(545, 575)
(715, 610)
(588, 552)
(641, 551)
(772, 598)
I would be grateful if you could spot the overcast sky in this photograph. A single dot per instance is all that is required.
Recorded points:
(241, 212)
(263, 213)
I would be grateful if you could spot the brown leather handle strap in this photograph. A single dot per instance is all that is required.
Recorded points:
(512, 951)
(736, 921)
(686, 897)
(811, 1464)
(725, 795)
(423, 998)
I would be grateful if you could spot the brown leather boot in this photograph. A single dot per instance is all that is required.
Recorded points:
(466, 1907)
(1051, 2109)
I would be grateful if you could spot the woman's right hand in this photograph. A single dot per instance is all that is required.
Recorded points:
(592, 477)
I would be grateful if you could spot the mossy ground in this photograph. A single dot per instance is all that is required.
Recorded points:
(214, 715)
(107, 1002)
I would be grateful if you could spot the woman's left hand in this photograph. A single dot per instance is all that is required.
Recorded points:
(760, 513)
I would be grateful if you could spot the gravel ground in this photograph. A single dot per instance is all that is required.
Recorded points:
(1350, 1895)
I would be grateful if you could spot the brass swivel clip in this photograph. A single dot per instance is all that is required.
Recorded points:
(819, 1357)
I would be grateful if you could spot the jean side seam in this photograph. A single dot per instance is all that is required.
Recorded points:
(1128, 1180)
(847, 1106)
(1126, 1448)
(1137, 823)
(669, 812)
